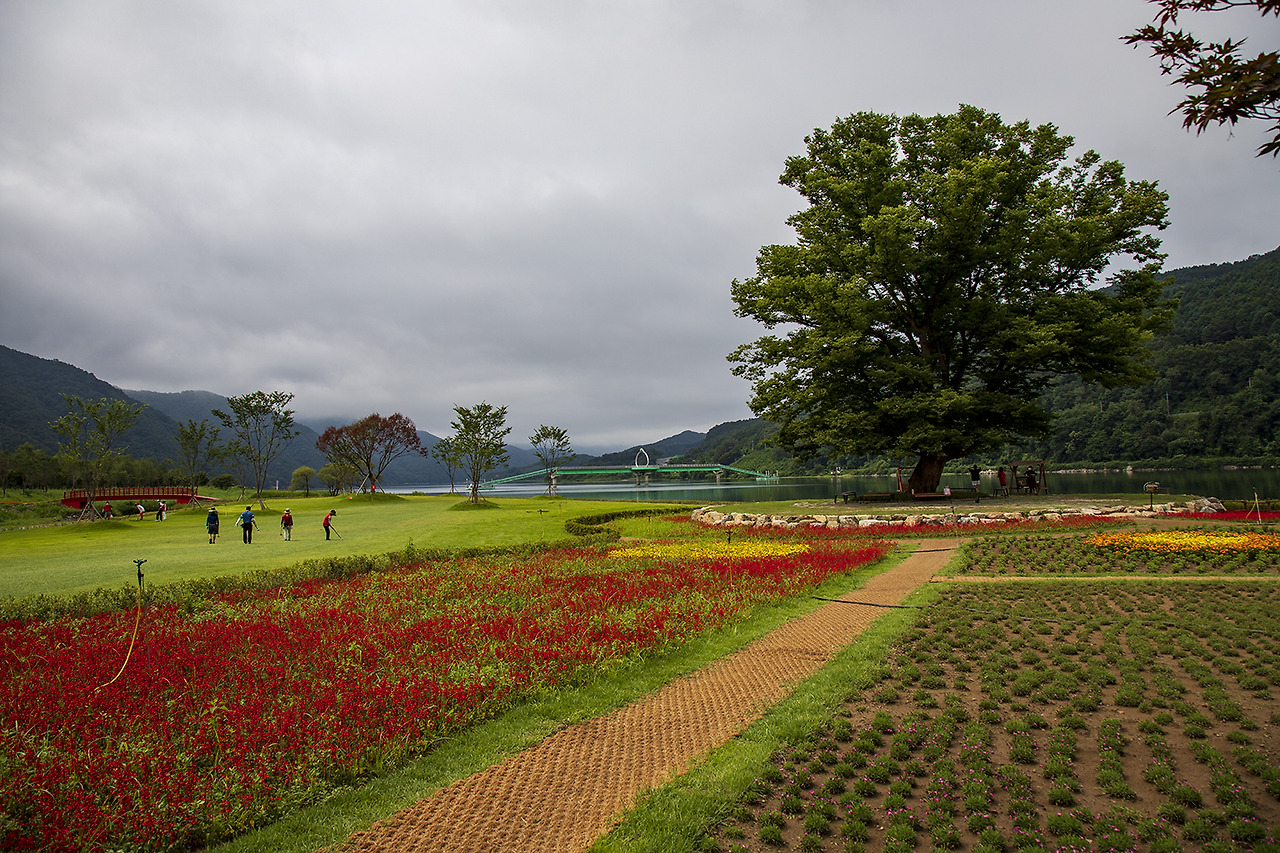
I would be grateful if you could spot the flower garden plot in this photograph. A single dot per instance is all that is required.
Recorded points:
(1170, 552)
(240, 707)
(1089, 715)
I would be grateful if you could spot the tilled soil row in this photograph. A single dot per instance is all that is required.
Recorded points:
(568, 790)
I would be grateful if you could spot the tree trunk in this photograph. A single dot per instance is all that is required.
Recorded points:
(927, 473)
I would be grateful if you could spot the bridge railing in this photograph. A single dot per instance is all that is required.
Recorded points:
(180, 494)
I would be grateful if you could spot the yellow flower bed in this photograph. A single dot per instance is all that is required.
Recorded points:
(1187, 541)
(710, 550)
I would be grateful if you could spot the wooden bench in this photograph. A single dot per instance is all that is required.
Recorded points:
(929, 496)
(865, 496)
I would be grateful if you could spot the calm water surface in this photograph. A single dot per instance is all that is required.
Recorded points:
(1227, 485)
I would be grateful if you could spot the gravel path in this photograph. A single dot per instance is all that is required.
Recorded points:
(574, 786)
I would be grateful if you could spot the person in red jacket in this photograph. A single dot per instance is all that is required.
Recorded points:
(328, 522)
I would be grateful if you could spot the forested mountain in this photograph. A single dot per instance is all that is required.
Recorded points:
(1217, 387)
(30, 400)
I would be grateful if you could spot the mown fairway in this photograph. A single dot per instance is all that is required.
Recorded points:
(79, 557)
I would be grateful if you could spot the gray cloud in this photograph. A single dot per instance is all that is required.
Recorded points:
(402, 207)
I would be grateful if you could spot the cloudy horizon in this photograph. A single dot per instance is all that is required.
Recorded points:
(405, 207)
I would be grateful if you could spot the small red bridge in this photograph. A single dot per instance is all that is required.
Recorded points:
(78, 498)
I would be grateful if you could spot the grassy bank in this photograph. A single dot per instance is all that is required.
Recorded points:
(61, 559)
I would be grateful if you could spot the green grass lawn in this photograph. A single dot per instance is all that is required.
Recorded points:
(68, 558)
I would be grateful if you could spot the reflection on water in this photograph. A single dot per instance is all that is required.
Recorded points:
(1228, 485)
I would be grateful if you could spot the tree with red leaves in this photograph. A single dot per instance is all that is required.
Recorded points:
(1231, 86)
(371, 444)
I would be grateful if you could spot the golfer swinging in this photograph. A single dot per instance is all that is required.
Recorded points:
(328, 524)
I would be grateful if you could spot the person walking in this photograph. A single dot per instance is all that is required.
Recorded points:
(106, 510)
(211, 524)
(975, 480)
(247, 524)
(328, 522)
(286, 525)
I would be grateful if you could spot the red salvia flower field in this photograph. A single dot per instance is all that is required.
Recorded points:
(234, 709)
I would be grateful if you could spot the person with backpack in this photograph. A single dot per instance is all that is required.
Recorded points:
(247, 524)
(286, 525)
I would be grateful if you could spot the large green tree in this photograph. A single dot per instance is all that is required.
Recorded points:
(946, 269)
(261, 427)
(480, 441)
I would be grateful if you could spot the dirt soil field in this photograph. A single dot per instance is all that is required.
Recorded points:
(1067, 715)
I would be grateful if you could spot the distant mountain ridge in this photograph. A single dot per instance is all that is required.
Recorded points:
(30, 399)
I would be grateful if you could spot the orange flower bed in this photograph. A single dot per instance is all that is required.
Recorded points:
(1186, 542)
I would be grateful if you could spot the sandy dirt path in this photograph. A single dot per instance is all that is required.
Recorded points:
(564, 793)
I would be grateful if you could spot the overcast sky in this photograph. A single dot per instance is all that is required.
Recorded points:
(406, 206)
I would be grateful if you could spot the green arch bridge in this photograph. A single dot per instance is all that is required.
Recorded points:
(642, 472)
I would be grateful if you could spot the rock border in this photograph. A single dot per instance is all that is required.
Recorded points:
(712, 516)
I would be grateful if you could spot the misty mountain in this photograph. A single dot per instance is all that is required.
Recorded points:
(30, 400)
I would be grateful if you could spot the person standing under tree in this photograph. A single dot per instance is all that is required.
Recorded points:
(247, 524)
(211, 524)
(286, 525)
(975, 480)
(1004, 481)
(328, 522)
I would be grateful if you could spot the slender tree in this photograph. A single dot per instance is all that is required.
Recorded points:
(370, 444)
(1226, 86)
(551, 446)
(445, 451)
(200, 450)
(947, 269)
(261, 428)
(479, 439)
(90, 432)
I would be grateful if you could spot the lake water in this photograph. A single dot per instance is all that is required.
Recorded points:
(1224, 484)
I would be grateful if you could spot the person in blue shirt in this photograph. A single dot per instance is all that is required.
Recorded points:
(247, 524)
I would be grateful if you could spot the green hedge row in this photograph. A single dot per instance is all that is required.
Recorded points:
(594, 525)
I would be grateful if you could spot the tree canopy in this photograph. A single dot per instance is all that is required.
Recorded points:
(90, 431)
(261, 427)
(370, 444)
(1226, 85)
(551, 446)
(479, 441)
(947, 268)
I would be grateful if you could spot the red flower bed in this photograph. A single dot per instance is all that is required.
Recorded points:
(237, 708)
